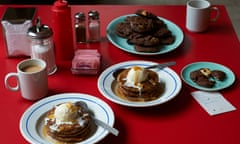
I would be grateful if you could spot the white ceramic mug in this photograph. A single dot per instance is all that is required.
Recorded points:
(198, 15)
(31, 79)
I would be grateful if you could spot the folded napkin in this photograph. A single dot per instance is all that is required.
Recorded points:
(212, 102)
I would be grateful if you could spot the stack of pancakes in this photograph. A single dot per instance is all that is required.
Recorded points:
(72, 131)
(147, 90)
(145, 31)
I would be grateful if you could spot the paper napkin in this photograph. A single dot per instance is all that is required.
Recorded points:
(213, 102)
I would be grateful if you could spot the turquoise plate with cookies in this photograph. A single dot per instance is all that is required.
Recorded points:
(122, 43)
(219, 85)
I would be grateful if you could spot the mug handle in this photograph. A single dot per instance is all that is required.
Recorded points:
(8, 86)
(217, 14)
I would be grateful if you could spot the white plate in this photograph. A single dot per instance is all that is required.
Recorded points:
(122, 43)
(32, 120)
(167, 76)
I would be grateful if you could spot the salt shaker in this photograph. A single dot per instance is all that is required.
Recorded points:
(80, 27)
(42, 45)
(93, 26)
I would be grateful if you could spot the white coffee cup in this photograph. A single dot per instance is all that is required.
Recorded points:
(31, 79)
(198, 15)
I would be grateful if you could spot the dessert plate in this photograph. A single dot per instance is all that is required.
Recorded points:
(167, 76)
(122, 44)
(32, 121)
(219, 85)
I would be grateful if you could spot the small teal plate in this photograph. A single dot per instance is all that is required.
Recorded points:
(122, 44)
(219, 85)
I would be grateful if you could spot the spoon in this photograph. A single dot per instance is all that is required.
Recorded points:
(160, 66)
(97, 121)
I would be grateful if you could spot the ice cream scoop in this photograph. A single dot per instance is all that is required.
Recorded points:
(66, 112)
(136, 75)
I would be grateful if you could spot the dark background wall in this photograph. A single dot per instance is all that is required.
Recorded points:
(47, 2)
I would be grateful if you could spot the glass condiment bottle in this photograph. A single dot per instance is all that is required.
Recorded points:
(80, 27)
(93, 26)
(42, 45)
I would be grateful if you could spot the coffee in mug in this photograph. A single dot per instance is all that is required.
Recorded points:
(32, 68)
(198, 15)
(32, 79)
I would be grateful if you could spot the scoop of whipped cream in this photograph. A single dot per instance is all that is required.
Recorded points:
(66, 112)
(135, 76)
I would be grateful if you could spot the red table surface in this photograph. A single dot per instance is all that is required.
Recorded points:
(181, 120)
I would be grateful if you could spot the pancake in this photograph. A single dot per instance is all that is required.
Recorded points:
(150, 88)
(75, 130)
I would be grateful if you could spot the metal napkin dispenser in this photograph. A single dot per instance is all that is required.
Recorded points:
(15, 23)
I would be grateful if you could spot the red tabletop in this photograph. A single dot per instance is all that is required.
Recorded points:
(181, 120)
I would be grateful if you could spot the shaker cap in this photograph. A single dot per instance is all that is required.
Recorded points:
(80, 15)
(93, 14)
(39, 31)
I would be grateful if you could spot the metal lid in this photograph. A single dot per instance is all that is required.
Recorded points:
(39, 31)
(93, 14)
(79, 15)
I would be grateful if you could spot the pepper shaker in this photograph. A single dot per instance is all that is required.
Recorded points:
(93, 26)
(80, 27)
(42, 45)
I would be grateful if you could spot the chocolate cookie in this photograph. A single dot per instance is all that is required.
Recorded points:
(143, 40)
(164, 35)
(146, 13)
(205, 82)
(123, 29)
(219, 75)
(149, 49)
(167, 40)
(198, 77)
(141, 24)
(162, 32)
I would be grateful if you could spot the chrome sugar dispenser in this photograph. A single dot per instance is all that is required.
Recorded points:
(42, 45)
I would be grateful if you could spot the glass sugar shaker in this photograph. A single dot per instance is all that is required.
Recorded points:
(93, 26)
(42, 45)
(80, 27)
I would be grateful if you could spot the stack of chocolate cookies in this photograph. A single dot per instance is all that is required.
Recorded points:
(145, 31)
(206, 77)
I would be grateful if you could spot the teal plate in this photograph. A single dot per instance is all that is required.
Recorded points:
(122, 44)
(219, 85)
